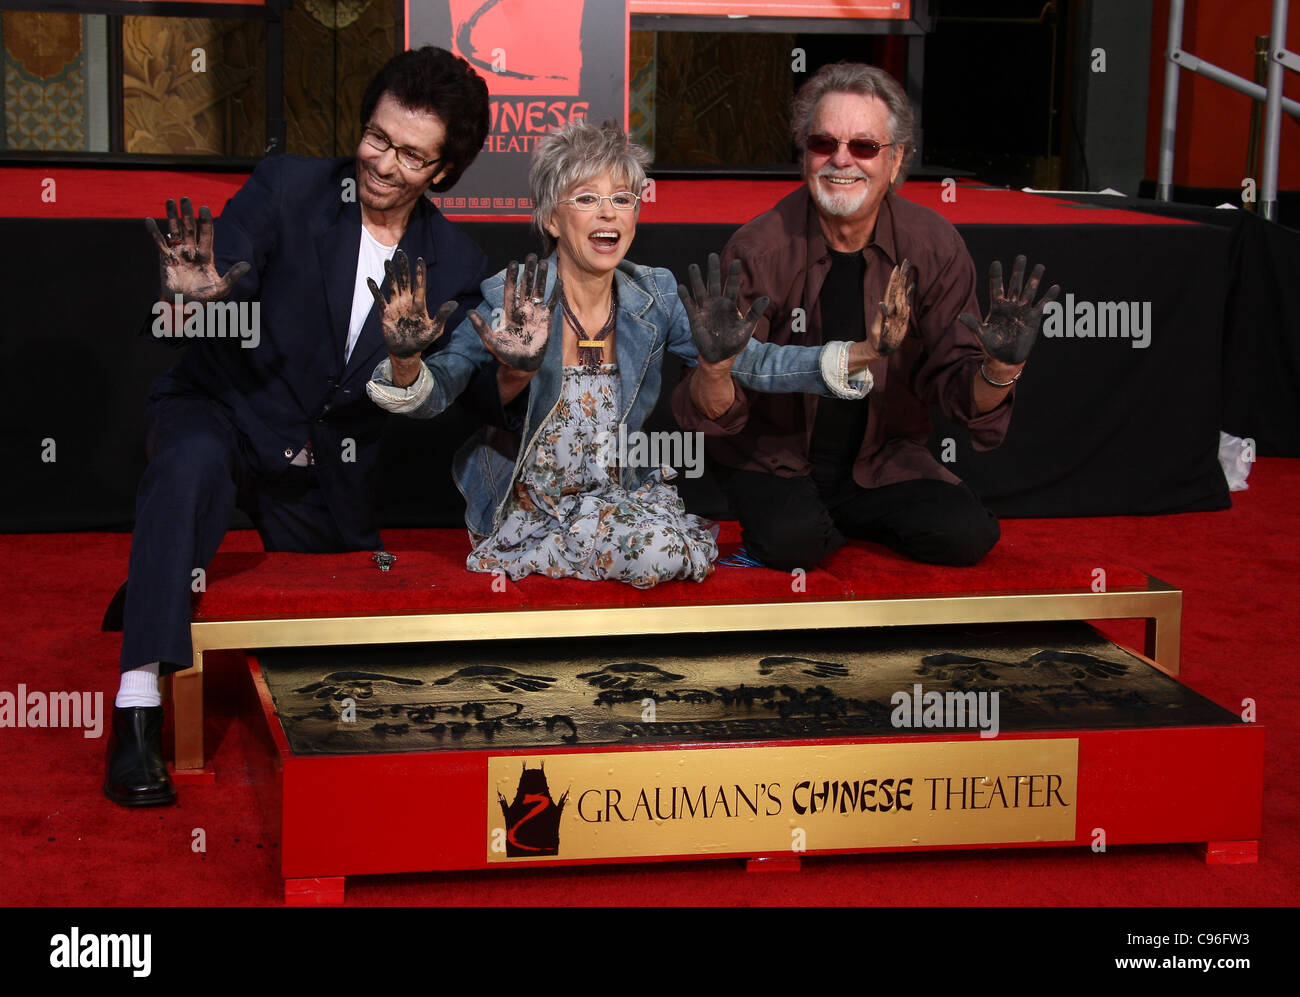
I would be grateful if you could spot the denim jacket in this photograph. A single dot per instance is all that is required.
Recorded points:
(651, 319)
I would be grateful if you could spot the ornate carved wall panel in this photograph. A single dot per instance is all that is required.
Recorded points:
(331, 51)
(722, 98)
(641, 87)
(44, 81)
(193, 86)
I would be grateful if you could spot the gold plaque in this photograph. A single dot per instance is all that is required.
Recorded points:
(763, 800)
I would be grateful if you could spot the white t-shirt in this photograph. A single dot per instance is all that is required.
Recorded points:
(370, 263)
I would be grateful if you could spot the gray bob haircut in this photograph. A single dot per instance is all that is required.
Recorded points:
(576, 152)
(865, 81)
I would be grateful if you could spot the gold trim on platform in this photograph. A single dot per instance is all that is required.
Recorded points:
(1159, 604)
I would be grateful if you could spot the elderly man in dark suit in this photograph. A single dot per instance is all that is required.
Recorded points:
(269, 411)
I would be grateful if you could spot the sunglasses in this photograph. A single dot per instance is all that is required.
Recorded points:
(859, 148)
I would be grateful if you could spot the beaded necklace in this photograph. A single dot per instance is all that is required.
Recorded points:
(591, 349)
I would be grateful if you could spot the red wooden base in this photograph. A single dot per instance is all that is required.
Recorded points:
(192, 777)
(1230, 852)
(343, 815)
(319, 892)
(772, 863)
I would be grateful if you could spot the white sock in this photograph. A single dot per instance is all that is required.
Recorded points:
(139, 687)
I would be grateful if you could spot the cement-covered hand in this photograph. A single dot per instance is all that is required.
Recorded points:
(185, 260)
(890, 326)
(1009, 332)
(408, 327)
(719, 330)
(520, 336)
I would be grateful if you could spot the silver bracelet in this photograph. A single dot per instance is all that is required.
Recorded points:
(999, 384)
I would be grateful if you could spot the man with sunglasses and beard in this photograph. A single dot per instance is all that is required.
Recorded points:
(278, 422)
(844, 258)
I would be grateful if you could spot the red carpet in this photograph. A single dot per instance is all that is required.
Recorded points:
(62, 843)
(25, 192)
(245, 582)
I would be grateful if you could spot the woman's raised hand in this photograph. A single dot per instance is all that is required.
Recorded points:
(719, 330)
(521, 329)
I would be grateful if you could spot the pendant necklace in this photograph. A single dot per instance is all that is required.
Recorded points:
(591, 349)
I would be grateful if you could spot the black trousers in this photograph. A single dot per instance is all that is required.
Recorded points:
(196, 476)
(790, 523)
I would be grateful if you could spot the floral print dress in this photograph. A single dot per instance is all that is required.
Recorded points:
(570, 518)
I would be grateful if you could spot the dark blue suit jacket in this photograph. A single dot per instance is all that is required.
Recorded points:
(297, 221)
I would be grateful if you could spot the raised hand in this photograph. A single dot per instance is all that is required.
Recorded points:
(1009, 332)
(890, 326)
(408, 327)
(518, 338)
(719, 330)
(185, 258)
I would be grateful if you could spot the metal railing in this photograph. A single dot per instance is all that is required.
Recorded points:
(1271, 94)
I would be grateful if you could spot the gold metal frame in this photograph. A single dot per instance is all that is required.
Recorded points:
(1159, 604)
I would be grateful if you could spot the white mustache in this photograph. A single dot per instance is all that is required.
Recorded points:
(827, 172)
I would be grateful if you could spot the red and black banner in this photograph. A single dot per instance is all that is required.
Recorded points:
(546, 62)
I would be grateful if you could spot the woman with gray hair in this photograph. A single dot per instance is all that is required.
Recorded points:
(580, 339)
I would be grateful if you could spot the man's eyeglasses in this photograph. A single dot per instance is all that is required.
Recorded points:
(409, 158)
(859, 148)
(624, 200)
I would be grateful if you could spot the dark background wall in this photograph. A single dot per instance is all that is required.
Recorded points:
(1100, 428)
(1105, 112)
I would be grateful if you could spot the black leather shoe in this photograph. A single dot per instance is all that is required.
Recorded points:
(136, 773)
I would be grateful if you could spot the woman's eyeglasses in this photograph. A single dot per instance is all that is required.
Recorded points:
(859, 148)
(624, 200)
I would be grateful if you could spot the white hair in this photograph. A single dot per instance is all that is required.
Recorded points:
(576, 152)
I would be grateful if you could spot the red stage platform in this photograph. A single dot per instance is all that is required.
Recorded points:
(1136, 759)
(259, 600)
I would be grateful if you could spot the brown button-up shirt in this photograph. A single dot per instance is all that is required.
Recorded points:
(783, 254)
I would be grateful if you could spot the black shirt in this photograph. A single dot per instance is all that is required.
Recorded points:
(841, 423)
